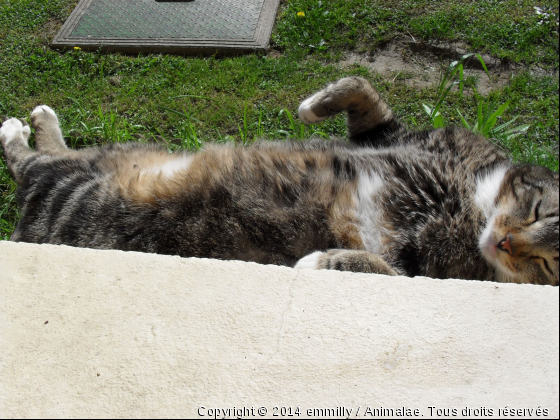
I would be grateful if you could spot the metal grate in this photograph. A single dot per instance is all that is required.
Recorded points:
(196, 26)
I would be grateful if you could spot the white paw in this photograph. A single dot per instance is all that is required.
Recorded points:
(11, 130)
(26, 131)
(44, 114)
(306, 114)
(310, 262)
(43, 108)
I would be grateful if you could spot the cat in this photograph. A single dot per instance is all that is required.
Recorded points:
(444, 203)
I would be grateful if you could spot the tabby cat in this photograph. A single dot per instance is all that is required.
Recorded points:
(443, 203)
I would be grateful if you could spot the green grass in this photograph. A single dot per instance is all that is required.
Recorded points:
(186, 102)
(505, 28)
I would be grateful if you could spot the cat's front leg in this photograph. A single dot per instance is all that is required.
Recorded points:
(13, 137)
(347, 260)
(48, 136)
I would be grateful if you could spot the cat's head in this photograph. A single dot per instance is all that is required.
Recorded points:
(521, 239)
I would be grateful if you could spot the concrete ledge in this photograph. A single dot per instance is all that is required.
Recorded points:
(87, 333)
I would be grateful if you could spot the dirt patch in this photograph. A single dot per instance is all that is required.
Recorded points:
(422, 65)
(48, 31)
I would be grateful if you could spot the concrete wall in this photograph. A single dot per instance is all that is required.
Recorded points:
(103, 333)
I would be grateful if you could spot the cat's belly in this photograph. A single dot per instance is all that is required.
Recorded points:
(369, 210)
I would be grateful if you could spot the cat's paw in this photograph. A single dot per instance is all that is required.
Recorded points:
(346, 260)
(43, 115)
(13, 129)
(348, 94)
(305, 111)
(311, 261)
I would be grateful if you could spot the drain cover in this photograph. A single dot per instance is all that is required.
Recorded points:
(172, 26)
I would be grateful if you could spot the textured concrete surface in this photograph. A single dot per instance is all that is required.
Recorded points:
(88, 333)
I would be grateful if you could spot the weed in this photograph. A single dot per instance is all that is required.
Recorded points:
(110, 128)
(488, 115)
(297, 130)
(488, 112)
(188, 135)
(448, 81)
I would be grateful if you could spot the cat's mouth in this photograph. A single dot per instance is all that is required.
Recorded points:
(486, 243)
(490, 249)
(494, 250)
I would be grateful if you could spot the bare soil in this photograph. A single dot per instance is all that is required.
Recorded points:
(422, 65)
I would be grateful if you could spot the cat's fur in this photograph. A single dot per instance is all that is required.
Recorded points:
(442, 203)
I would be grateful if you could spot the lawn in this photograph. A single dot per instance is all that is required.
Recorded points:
(185, 102)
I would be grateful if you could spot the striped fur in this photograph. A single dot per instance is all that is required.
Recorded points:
(442, 203)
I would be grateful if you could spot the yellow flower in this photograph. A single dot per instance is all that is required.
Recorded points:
(301, 14)
(77, 48)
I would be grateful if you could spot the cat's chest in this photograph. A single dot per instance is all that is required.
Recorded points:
(396, 206)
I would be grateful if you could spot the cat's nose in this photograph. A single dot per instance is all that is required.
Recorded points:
(506, 244)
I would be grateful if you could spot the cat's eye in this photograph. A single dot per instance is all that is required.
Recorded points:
(536, 212)
(547, 266)
(545, 263)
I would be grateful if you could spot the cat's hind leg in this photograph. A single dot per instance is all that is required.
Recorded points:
(370, 119)
(13, 136)
(48, 137)
(347, 260)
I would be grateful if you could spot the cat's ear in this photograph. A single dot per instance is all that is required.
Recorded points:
(537, 175)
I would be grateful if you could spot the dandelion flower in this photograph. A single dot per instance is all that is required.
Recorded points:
(77, 48)
(301, 14)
